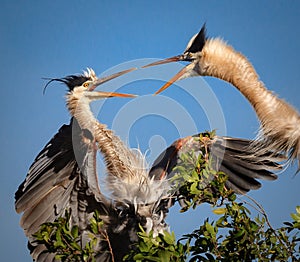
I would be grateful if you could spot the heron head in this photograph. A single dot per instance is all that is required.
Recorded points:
(88, 81)
(191, 54)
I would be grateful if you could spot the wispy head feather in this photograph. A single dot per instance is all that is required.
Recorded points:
(73, 81)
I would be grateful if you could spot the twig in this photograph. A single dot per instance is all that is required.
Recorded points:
(105, 235)
(261, 210)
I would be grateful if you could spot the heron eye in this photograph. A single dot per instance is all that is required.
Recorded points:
(86, 84)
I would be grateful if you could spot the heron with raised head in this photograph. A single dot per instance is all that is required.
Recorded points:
(280, 122)
(64, 176)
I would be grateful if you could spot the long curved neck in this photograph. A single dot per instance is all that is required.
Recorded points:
(222, 61)
(279, 121)
(108, 143)
(126, 168)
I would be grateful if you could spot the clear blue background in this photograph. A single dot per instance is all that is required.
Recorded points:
(56, 38)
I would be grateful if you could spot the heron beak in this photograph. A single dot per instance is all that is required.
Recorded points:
(102, 80)
(184, 73)
(99, 95)
(165, 61)
(180, 75)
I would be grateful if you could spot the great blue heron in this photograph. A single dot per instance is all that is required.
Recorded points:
(64, 176)
(213, 57)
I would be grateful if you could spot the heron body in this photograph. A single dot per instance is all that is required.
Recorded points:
(213, 57)
(127, 171)
(64, 176)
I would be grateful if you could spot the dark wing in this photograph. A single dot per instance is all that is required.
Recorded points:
(242, 166)
(230, 155)
(63, 176)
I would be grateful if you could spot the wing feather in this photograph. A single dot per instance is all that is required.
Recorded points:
(63, 176)
(230, 155)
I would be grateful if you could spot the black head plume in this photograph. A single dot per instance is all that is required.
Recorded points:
(198, 41)
(71, 81)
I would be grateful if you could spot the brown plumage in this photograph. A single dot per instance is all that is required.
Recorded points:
(138, 198)
(280, 122)
(64, 176)
(125, 167)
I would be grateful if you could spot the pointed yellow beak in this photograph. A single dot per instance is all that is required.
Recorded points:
(102, 80)
(165, 61)
(100, 94)
(183, 73)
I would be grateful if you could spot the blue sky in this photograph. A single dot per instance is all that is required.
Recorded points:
(57, 38)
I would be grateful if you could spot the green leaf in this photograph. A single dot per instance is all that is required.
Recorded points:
(296, 217)
(168, 238)
(194, 189)
(254, 226)
(210, 229)
(75, 245)
(58, 238)
(220, 211)
(273, 239)
(232, 197)
(239, 233)
(74, 231)
(164, 256)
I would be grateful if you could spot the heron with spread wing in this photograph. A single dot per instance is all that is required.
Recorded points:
(64, 176)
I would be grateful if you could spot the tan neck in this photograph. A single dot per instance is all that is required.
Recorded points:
(279, 121)
(223, 62)
(120, 161)
(79, 107)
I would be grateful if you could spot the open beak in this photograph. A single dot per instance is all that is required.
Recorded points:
(183, 73)
(108, 78)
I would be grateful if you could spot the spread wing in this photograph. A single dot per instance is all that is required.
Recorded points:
(229, 155)
(63, 176)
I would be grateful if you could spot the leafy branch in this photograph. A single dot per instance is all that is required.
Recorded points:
(65, 241)
(234, 236)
